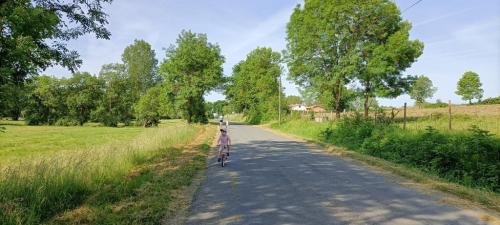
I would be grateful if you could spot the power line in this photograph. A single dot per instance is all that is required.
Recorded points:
(414, 4)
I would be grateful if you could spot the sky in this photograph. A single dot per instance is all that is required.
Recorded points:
(459, 35)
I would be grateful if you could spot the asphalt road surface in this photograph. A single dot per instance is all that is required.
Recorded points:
(274, 180)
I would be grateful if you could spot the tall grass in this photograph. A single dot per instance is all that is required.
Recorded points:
(33, 190)
(459, 123)
(305, 128)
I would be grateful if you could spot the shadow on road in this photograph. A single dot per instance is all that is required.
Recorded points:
(272, 180)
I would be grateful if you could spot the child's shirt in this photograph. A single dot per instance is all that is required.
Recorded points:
(224, 140)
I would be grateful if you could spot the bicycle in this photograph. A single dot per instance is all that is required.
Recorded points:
(223, 156)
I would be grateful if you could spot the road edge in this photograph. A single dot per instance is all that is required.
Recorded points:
(184, 197)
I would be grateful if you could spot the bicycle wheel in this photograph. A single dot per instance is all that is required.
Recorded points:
(222, 160)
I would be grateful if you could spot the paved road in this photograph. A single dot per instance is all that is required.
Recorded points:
(274, 180)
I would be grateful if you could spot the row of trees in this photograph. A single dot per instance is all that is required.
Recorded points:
(338, 52)
(343, 55)
(469, 87)
(33, 36)
(137, 88)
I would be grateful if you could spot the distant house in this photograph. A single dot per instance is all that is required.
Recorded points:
(297, 107)
(315, 108)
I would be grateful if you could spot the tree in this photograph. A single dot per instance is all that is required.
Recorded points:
(33, 36)
(148, 108)
(293, 99)
(422, 89)
(308, 96)
(216, 107)
(83, 92)
(140, 63)
(332, 43)
(469, 87)
(385, 51)
(192, 68)
(116, 104)
(321, 47)
(254, 87)
(46, 102)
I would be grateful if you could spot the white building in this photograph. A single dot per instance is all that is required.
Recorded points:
(297, 107)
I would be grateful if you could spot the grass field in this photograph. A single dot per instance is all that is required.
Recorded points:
(19, 141)
(486, 117)
(55, 169)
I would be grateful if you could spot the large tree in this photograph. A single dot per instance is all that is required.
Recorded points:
(385, 50)
(334, 42)
(321, 47)
(115, 106)
(83, 92)
(140, 63)
(33, 36)
(422, 89)
(192, 67)
(46, 102)
(254, 87)
(469, 87)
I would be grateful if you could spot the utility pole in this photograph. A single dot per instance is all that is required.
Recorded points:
(279, 100)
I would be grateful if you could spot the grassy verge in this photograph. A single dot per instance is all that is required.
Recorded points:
(40, 189)
(482, 197)
(150, 193)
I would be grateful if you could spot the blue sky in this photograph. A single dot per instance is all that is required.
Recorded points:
(459, 35)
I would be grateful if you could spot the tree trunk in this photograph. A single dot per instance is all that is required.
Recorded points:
(366, 106)
(337, 97)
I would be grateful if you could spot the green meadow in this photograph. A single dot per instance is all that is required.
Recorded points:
(47, 171)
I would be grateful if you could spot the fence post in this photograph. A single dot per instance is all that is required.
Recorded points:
(449, 114)
(404, 117)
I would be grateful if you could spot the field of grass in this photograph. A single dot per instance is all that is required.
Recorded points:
(486, 117)
(459, 123)
(83, 162)
(19, 141)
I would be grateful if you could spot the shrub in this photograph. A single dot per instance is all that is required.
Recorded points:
(434, 105)
(490, 101)
(67, 121)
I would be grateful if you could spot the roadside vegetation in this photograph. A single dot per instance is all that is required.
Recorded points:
(35, 189)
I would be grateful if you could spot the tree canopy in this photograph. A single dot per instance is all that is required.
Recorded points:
(192, 67)
(253, 88)
(140, 63)
(33, 36)
(469, 87)
(422, 89)
(332, 43)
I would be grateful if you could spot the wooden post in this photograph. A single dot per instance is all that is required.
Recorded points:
(449, 114)
(404, 117)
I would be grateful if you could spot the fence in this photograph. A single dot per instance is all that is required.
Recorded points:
(452, 117)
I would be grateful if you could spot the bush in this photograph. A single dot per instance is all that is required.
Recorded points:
(67, 121)
(490, 101)
(434, 105)
(472, 159)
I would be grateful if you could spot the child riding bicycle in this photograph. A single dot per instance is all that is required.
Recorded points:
(224, 142)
